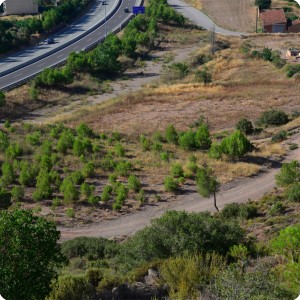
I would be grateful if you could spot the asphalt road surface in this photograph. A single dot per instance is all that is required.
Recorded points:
(112, 24)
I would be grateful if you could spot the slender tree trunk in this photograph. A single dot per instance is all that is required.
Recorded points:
(215, 201)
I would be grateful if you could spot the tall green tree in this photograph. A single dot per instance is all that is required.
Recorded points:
(30, 255)
(207, 184)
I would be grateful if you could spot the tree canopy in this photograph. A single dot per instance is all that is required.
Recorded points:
(29, 255)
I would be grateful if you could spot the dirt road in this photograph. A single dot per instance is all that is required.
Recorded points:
(189, 200)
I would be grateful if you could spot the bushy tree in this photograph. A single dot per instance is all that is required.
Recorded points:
(293, 193)
(17, 193)
(66, 141)
(43, 186)
(273, 117)
(171, 134)
(123, 168)
(8, 175)
(30, 255)
(4, 141)
(134, 183)
(88, 169)
(187, 141)
(13, 151)
(86, 190)
(236, 145)
(289, 173)
(177, 170)
(27, 174)
(263, 4)
(178, 233)
(171, 184)
(84, 130)
(202, 137)
(288, 243)
(75, 287)
(78, 147)
(245, 126)
(69, 191)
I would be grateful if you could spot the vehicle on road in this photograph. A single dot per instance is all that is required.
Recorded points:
(126, 9)
(49, 41)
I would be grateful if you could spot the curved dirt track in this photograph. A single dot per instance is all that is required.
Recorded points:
(241, 192)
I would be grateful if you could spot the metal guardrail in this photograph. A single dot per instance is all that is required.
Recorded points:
(90, 30)
(86, 49)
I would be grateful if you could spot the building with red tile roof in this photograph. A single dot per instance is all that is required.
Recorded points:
(273, 20)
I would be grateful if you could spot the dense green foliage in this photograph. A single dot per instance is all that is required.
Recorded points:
(29, 255)
(236, 145)
(16, 32)
(176, 233)
(273, 117)
(263, 4)
(245, 126)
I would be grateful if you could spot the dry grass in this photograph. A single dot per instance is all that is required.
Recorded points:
(195, 3)
(237, 15)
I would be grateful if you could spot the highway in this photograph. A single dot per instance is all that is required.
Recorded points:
(13, 70)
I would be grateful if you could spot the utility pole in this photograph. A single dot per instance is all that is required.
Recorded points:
(212, 38)
(257, 12)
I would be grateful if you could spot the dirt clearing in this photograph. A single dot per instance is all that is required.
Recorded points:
(237, 15)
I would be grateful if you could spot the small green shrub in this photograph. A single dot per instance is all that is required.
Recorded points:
(293, 146)
(34, 138)
(106, 193)
(176, 170)
(164, 156)
(277, 208)
(171, 134)
(171, 184)
(293, 193)
(203, 76)
(145, 142)
(279, 137)
(245, 126)
(17, 193)
(70, 212)
(273, 118)
(123, 168)
(134, 183)
(88, 169)
(187, 140)
(119, 150)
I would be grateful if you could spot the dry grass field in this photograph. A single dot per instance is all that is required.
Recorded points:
(238, 15)
(241, 87)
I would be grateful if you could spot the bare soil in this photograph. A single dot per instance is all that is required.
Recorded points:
(237, 15)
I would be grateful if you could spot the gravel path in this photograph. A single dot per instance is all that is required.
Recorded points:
(240, 192)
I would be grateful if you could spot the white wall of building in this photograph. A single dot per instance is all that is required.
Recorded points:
(17, 7)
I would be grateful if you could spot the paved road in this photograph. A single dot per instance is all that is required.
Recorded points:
(241, 192)
(112, 24)
(92, 17)
(199, 18)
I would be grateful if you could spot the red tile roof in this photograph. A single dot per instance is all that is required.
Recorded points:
(273, 16)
